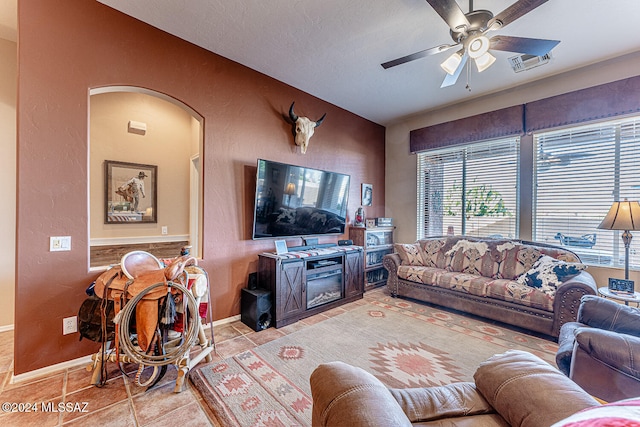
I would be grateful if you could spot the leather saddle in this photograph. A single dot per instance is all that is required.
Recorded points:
(136, 272)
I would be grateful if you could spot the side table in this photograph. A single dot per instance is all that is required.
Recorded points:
(627, 298)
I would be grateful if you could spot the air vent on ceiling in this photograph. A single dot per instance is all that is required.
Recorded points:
(526, 62)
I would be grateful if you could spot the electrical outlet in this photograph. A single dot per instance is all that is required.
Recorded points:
(69, 325)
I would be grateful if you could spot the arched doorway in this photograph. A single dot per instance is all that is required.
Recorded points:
(152, 136)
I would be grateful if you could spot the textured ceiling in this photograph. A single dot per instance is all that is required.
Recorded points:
(333, 49)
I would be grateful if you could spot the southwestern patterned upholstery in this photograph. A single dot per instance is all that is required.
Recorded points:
(488, 277)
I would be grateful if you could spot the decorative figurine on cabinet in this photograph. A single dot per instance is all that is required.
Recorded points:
(359, 222)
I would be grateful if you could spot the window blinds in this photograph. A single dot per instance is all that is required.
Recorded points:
(580, 172)
(472, 188)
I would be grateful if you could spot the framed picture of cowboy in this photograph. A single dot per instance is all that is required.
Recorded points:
(130, 193)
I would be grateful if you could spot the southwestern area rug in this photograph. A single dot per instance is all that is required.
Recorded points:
(402, 343)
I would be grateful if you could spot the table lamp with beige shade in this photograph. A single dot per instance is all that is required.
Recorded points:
(623, 216)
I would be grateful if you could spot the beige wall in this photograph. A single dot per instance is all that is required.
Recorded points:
(8, 70)
(170, 141)
(400, 178)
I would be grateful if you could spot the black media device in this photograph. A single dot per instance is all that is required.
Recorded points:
(311, 242)
(345, 242)
(255, 307)
(621, 286)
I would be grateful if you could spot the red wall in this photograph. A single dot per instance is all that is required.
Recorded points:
(66, 51)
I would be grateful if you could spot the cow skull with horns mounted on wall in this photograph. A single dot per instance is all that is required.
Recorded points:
(303, 128)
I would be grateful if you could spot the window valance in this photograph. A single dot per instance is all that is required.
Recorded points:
(599, 102)
(608, 100)
(481, 127)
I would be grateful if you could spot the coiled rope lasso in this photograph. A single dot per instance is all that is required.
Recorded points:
(174, 354)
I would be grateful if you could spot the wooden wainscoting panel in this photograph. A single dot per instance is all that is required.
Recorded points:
(111, 254)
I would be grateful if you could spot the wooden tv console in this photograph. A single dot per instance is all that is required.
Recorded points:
(307, 282)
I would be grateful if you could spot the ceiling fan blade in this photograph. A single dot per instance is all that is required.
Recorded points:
(537, 47)
(451, 13)
(418, 55)
(451, 79)
(515, 11)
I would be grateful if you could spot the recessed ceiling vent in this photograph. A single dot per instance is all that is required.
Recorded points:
(526, 62)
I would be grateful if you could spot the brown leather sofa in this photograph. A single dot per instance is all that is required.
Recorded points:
(601, 351)
(515, 388)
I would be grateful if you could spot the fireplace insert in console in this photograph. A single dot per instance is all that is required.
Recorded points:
(324, 287)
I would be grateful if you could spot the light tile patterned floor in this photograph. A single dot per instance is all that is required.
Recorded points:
(120, 402)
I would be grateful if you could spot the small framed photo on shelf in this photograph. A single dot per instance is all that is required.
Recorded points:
(281, 247)
(370, 223)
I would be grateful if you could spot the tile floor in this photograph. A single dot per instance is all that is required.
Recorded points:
(120, 402)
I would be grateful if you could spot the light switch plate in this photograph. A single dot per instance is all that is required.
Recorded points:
(59, 243)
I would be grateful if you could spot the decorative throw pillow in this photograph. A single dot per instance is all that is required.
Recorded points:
(467, 256)
(622, 413)
(548, 273)
(468, 246)
(431, 252)
(410, 253)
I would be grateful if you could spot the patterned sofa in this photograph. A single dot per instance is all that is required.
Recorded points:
(529, 285)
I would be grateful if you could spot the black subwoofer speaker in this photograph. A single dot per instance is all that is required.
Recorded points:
(255, 307)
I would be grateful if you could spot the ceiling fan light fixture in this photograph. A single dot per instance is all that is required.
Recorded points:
(469, 32)
(485, 61)
(478, 46)
(495, 25)
(450, 65)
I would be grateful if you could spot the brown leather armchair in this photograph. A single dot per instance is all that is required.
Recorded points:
(601, 351)
(515, 388)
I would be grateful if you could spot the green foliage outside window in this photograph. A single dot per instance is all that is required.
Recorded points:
(480, 200)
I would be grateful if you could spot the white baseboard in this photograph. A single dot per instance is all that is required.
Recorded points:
(224, 321)
(86, 360)
(6, 328)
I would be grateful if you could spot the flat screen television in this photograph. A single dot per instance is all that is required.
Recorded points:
(298, 201)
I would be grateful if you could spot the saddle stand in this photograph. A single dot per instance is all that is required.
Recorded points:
(164, 305)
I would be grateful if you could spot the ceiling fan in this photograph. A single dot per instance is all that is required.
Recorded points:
(469, 32)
